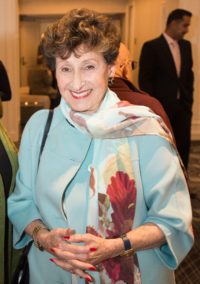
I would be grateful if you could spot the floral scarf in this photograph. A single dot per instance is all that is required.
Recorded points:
(112, 197)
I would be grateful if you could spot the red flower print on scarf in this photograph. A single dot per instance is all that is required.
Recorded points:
(122, 198)
(122, 193)
(117, 268)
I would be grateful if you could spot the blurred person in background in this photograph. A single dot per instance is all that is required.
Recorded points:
(40, 80)
(5, 89)
(165, 72)
(8, 169)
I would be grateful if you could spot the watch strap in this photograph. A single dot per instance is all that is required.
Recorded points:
(128, 250)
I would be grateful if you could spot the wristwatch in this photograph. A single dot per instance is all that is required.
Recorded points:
(128, 250)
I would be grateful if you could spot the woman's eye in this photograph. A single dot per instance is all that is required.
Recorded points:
(89, 67)
(65, 69)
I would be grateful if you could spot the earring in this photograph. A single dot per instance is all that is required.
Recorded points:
(110, 81)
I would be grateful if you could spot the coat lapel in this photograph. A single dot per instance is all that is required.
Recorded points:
(64, 152)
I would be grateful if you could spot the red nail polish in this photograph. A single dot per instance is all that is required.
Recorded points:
(93, 249)
(52, 250)
(51, 259)
(88, 279)
(92, 268)
(66, 237)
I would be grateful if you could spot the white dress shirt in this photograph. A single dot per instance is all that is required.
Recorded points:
(175, 50)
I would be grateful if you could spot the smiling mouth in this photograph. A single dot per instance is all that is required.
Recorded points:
(80, 95)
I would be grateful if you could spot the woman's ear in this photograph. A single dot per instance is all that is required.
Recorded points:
(111, 74)
(111, 71)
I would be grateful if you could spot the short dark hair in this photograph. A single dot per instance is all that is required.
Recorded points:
(81, 26)
(177, 14)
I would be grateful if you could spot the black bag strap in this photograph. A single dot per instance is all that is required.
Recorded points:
(45, 133)
(21, 274)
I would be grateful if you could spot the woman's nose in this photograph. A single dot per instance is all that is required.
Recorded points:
(77, 81)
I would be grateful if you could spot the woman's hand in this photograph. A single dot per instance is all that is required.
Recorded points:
(100, 249)
(78, 253)
(54, 238)
(70, 257)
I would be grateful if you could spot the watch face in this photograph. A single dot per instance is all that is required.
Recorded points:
(128, 250)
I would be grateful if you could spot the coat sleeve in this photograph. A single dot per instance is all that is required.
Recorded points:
(167, 198)
(22, 209)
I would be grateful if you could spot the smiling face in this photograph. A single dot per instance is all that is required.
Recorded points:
(83, 80)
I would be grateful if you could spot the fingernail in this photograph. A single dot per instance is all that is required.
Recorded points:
(66, 237)
(93, 249)
(92, 268)
(52, 250)
(88, 279)
(51, 259)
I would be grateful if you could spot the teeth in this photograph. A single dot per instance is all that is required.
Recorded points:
(80, 94)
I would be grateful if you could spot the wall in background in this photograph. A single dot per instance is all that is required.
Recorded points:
(9, 54)
(52, 7)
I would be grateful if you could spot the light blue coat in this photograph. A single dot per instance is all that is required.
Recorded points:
(162, 196)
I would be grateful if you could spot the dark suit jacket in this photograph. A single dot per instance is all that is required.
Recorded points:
(5, 90)
(158, 77)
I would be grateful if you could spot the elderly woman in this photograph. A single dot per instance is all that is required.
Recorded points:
(109, 202)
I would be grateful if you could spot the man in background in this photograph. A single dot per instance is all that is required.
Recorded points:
(165, 72)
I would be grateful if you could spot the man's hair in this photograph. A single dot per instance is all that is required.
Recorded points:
(177, 15)
(96, 32)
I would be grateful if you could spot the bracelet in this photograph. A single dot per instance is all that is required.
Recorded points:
(36, 229)
(128, 250)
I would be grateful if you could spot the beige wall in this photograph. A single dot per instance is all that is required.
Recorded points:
(9, 54)
(43, 7)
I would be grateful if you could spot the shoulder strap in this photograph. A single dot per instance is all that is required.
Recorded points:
(46, 130)
(22, 264)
